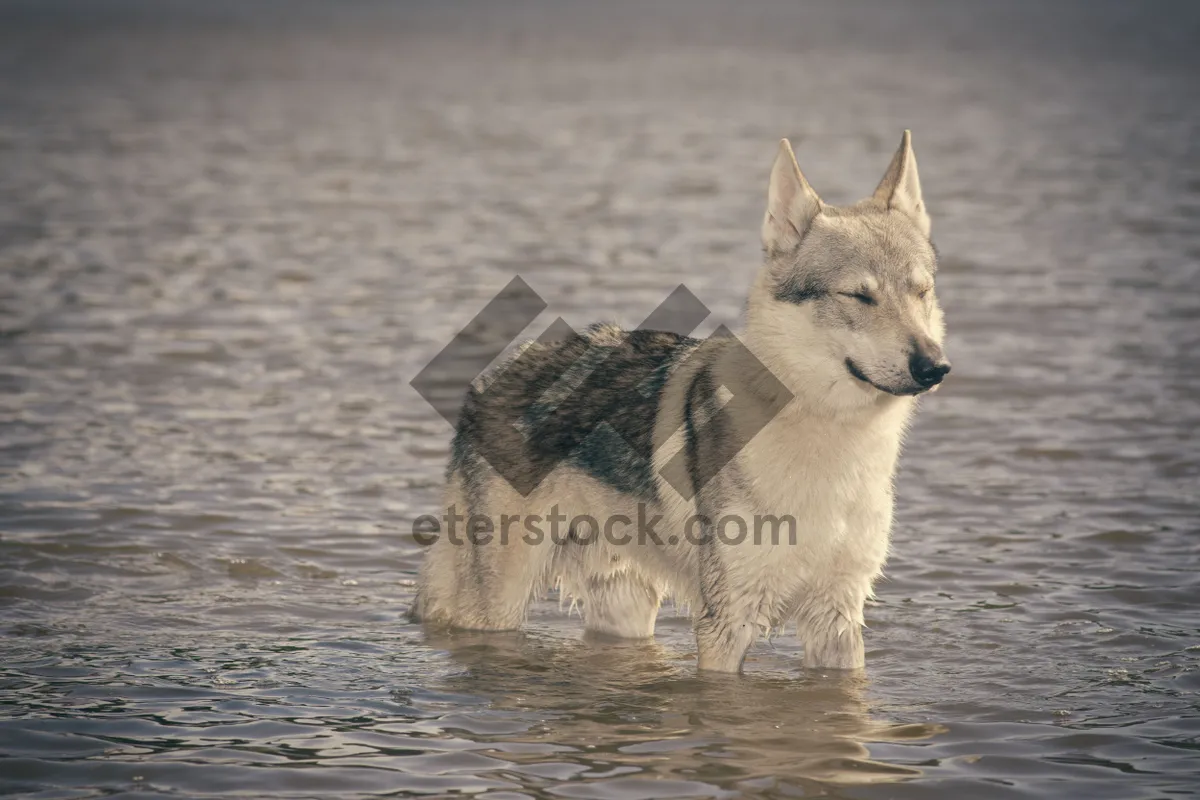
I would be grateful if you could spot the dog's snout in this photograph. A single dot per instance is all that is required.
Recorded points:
(926, 370)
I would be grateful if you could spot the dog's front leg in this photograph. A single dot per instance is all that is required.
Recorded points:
(834, 646)
(830, 625)
(727, 624)
(723, 639)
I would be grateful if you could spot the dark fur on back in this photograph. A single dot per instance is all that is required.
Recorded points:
(590, 401)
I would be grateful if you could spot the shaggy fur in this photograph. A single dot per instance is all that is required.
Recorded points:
(615, 424)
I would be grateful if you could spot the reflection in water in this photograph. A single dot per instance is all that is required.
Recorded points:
(626, 703)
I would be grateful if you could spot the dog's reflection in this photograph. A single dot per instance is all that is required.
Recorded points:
(620, 704)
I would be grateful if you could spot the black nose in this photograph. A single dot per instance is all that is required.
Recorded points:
(926, 371)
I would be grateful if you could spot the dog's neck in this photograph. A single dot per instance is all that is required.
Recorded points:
(814, 438)
(819, 386)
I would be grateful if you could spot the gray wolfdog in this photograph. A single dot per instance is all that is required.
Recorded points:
(844, 319)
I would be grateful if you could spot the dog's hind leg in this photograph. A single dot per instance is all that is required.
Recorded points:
(481, 573)
(621, 604)
(437, 584)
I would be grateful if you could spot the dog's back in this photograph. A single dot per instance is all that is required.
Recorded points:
(564, 402)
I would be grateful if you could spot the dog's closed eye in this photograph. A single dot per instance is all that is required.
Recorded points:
(862, 297)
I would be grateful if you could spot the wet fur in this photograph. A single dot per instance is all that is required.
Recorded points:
(828, 458)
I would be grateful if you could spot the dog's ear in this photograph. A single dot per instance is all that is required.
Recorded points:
(901, 186)
(791, 204)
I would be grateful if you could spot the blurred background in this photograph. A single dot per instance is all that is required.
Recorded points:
(232, 232)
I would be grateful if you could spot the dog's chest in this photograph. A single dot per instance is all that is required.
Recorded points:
(835, 481)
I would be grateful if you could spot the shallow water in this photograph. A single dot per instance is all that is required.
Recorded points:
(230, 235)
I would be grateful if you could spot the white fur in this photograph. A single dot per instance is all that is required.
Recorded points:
(827, 459)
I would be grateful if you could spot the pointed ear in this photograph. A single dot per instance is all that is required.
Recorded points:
(901, 186)
(791, 204)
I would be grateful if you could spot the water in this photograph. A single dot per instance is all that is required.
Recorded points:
(230, 235)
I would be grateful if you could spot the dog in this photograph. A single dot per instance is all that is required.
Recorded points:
(800, 418)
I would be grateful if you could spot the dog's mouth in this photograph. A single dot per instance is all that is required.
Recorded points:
(859, 375)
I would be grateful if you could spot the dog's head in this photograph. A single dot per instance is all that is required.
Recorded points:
(845, 301)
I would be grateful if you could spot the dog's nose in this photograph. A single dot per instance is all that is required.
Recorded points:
(927, 371)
